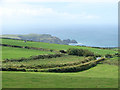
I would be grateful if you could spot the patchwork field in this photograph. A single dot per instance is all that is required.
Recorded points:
(53, 46)
(42, 69)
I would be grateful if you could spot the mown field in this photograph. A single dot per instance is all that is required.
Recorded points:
(101, 76)
(10, 52)
(81, 71)
(53, 46)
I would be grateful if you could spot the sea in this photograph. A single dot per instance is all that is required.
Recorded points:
(96, 36)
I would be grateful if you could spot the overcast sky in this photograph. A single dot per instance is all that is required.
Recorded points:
(56, 13)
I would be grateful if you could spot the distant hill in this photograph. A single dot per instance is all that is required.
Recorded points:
(47, 38)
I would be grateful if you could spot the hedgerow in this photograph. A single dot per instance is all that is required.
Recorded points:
(73, 68)
(34, 57)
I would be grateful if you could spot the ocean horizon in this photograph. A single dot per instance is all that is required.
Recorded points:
(97, 36)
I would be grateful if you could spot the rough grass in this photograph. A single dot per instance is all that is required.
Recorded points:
(53, 46)
(10, 52)
(45, 63)
(111, 61)
(101, 76)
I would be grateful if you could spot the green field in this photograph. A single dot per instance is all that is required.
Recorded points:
(101, 76)
(46, 63)
(53, 46)
(111, 61)
(10, 52)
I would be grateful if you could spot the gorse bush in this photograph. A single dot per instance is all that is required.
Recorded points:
(79, 52)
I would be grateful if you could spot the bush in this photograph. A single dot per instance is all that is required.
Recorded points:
(51, 50)
(88, 53)
(62, 51)
(117, 54)
(79, 52)
(73, 51)
(108, 56)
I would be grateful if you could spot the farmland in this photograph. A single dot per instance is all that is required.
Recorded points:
(10, 52)
(53, 46)
(101, 76)
(44, 63)
(34, 70)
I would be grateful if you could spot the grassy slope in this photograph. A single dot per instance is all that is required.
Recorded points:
(101, 76)
(53, 46)
(111, 61)
(10, 52)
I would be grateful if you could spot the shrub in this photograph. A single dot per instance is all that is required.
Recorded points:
(51, 50)
(73, 51)
(117, 54)
(62, 51)
(88, 53)
(108, 56)
(79, 52)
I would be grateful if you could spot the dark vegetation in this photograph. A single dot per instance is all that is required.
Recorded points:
(108, 56)
(80, 52)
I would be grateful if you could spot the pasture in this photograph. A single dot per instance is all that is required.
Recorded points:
(15, 53)
(101, 76)
(54, 46)
(46, 63)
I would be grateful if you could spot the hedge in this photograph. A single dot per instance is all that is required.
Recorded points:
(74, 68)
(51, 65)
(34, 57)
(26, 47)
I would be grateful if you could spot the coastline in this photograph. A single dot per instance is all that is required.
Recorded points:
(81, 44)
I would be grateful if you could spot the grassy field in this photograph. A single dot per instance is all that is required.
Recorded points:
(46, 63)
(111, 61)
(53, 46)
(101, 76)
(10, 52)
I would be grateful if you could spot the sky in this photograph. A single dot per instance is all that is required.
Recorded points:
(23, 16)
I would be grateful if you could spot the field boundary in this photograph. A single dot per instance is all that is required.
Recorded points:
(34, 57)
(73, 68)
(53, 65)
(26, 47)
